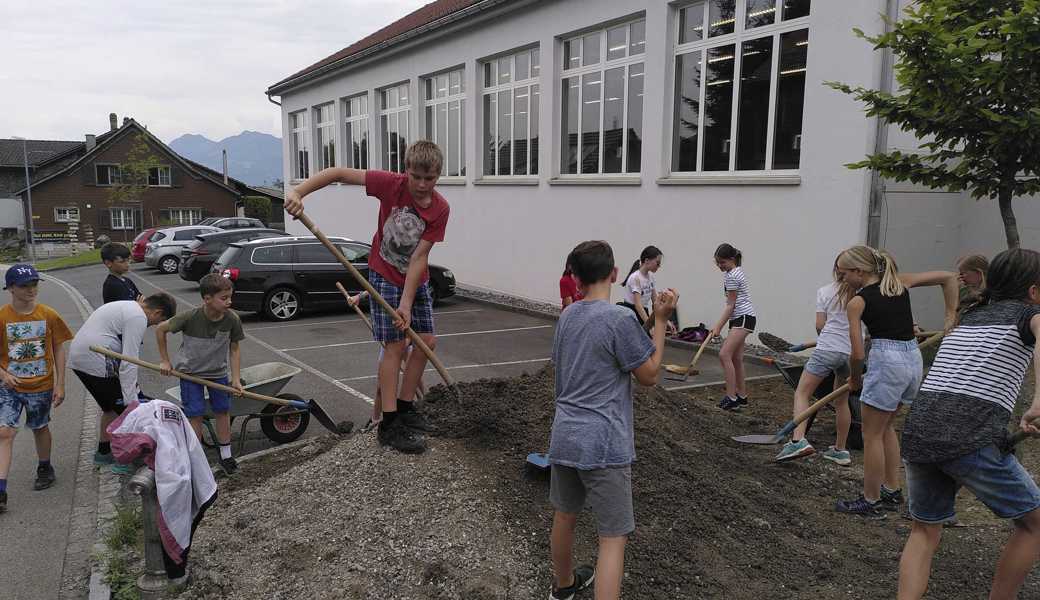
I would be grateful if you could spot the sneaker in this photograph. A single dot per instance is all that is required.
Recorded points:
(229, 465)
(793, 450)
(102, 460)
(121, 469)
(841, 457)
(44, 477)
(3, 502)
(891, 501)
(400, 437)
(370, 425)
(728, 403)
(583, 578)
(742, 400)
(860, 506)
(415, 420)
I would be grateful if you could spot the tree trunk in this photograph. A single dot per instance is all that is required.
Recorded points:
(1007, 213)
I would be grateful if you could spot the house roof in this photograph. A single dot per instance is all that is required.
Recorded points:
(396, 32)
(12, 152)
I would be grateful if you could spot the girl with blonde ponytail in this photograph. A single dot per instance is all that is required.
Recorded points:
(882, 303)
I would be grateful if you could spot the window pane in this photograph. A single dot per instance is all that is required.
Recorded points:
(718, 110)
(795, 8)
(590, 49)
(591, 87)
(521, 101)
(442, 128)
(384, 135)
(637, 38)
(721, 16)
(314, 253)
(755, 66)
(790, 94)
(273, 255)
(617, 42)
(392, 99)
(634, 142)
(431, 125)
(403, 94)
(569, 118)
(442, 86)
(364, 145)
(352, 147)
(454, 137)
(505, 69)
(523, 66)
(402, 139)
(572, 54)
(490, 110)
(429, 88)
(462, 137)
(535, 97)
(455, 84)
(505, 106)
(691, 23)
(760, 12)
(613, 119)
(535, 68)
(489, 74)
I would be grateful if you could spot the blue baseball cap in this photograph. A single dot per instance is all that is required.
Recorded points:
(20, 274)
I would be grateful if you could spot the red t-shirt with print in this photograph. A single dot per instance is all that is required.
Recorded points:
(402, 223)
(569, 288)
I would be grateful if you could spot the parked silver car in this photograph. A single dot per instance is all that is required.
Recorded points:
(163, 250)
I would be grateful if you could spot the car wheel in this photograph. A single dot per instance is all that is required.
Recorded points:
(282, 304)
(169, 264)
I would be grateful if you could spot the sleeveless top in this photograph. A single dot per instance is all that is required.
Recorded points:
(887, 318)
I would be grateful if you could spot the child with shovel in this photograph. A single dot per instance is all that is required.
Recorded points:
(412, 218)
(597, 349)
(740, 314)
(956, 431)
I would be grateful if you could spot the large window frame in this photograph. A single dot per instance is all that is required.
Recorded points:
(588, 61)
(444, 110)
(325, 135)
(66, 214)
(731, 37)
(395, 107)
(299, 145)
(125, 220)
(113, 174)
(162, 176)
(357, 139)
(181, 216)
(514, 77)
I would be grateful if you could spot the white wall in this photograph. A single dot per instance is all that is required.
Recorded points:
(515, 238)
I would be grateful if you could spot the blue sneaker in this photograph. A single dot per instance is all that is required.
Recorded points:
(102, 460)
(860, 506)
(841, 457)
(583, 578)
(793, 450)
(731, 404)
(121, 469)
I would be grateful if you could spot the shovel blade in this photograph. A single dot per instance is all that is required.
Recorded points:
(538, 460)
(326, 421)
(760, 439)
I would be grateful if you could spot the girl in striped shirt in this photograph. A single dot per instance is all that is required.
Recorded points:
(740, 314)
(956, 432)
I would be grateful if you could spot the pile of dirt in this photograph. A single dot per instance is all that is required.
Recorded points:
(715, 519)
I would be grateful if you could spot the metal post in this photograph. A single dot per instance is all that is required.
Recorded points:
(152, 583)
(31, 239)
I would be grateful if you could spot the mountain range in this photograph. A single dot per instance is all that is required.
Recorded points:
(253, 157)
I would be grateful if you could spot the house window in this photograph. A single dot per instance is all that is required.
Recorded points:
(301, 147)
(180, 216)
(122, 218)
(445, 119)
(66, 214)
(108, 174)
(159, 177)
(326, 130)
(602, 100)
(510, 105)
(393, 124)
(356, 132)
(739, 85)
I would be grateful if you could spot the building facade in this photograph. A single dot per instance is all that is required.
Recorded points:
(677, 124)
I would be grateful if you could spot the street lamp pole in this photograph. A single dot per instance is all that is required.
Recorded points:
(31, 240)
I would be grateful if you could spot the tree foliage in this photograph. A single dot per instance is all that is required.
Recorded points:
(134, 173)
(257, 207)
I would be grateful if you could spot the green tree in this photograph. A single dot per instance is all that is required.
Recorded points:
(257, 207)
(968, 73)
(133, 180)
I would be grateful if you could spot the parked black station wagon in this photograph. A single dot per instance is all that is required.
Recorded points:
(283, 276)
(197, 258)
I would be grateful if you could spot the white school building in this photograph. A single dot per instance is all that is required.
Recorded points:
(677, 124)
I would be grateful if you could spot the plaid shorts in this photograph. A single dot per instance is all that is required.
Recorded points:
(383, 329)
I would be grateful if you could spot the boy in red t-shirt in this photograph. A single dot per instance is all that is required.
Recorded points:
(412, 218)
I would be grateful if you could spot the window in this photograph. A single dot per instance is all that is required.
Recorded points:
(739, 85)
(356, 133)
(301, 146)
(108, 174)
(66, 214)
(393, 123)
(314, 254)
(180, 216)
(510, 104)
(355, 253)
(445, 119)
(326, 130)
(186, 234)
(159, 177)
(122, 218)
(602, 100)
(273, 255)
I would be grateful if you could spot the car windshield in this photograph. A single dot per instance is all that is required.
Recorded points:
(158, 235)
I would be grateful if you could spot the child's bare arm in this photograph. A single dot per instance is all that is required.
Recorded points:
(854, 311)
(295, 195)
(60, 355)
(416, 267)
(235, 354)
(950, 287)
(1031, 419)
(160, 340)
(664, 304)
(731, 305)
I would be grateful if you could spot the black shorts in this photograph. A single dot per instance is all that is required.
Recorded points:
(632, 307)
(744, 322)
(107, 391)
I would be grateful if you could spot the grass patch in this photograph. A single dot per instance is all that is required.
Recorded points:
(119, 577)
(91, 257)
(123, 549)
(125, 529)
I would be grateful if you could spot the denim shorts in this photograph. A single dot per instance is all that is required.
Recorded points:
(824, 362)
(383, 329)
(893, 376)
(37, 407)
(608, 493)
(998, 480)
(193, 398)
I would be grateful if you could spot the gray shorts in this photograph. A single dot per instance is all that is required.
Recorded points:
(824, 362)
(608, 493)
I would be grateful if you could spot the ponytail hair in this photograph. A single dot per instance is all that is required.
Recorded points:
(728, 252)
(879, 262)
(845, 291)
(648, 253)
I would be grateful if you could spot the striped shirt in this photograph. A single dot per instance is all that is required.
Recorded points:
(967, 399)
(734, 281)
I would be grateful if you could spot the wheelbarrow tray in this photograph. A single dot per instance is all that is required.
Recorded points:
(266, 378)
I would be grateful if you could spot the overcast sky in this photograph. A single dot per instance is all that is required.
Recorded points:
(177, 66)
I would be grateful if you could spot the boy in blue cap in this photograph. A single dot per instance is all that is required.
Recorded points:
(32, 371)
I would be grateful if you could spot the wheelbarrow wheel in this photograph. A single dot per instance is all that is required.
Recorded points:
(285, 428)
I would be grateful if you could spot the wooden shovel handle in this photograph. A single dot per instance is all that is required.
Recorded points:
(696, 357)
(416, 339)
(194, 379)
(356, 308)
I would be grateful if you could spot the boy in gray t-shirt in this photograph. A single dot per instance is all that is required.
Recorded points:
(597, 348)
(210, 333)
